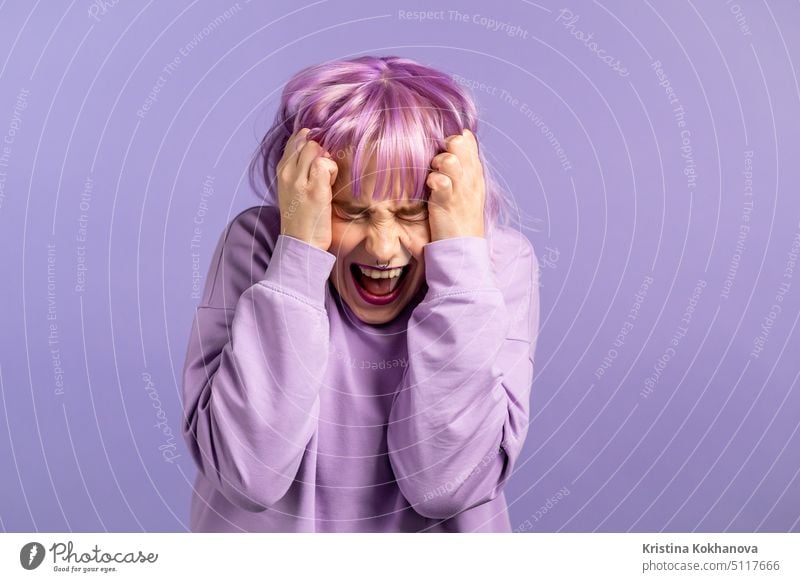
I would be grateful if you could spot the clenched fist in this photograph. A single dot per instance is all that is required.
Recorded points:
(306, 174)
(458, 190)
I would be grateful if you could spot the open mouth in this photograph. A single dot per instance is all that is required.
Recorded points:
(379, 290)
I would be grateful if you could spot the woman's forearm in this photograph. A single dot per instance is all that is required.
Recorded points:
(461, 415)
(252, 378)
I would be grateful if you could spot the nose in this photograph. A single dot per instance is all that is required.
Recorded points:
(384, 244)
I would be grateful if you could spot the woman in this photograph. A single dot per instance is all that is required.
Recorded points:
(362, 356)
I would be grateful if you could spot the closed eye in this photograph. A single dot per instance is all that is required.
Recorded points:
(417, 213)
(348, 216)
(416, 217)
(413, 216)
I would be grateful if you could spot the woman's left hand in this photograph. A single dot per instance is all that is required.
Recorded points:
(458, 190)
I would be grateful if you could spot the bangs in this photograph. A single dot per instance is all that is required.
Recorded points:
(397, 125)
(403, 135)
(392, 109)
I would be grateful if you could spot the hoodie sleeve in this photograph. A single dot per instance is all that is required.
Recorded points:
(460, 416)
(257, 351)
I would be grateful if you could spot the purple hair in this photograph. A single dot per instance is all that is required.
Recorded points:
(390, 106)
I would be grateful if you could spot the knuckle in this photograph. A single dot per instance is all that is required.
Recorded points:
(438, 181)
(456, 140)
(286, 178)
(316, 169)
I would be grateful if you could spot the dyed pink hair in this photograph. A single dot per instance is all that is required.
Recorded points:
(394, 107)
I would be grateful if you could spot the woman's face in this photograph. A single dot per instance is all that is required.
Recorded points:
(367, 233)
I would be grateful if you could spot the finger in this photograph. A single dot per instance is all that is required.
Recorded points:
(290, 153)
(441, 185)
(307, 154)
(464, 145)
(298, 136)
(333, 169)
(472, 139)
(298, 143)
(449, 164)
(322, 174)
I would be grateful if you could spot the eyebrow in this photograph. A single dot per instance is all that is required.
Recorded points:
(355, 208)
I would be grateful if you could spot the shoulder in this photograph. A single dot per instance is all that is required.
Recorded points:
(513, 257)
(242, 255)
(516, 271)
(257, 227)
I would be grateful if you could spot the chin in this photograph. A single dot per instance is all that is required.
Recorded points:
(376, 317)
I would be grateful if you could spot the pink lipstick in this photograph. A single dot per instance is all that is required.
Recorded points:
(372, 298)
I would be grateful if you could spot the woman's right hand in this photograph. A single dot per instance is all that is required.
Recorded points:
(306, 174)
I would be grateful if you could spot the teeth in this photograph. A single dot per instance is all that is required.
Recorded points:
(373, 274)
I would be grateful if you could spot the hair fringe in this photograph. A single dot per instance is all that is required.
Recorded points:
(393, 107)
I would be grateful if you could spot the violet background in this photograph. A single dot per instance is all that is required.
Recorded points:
(714, 447)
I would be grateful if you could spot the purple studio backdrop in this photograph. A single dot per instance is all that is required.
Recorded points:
(652, 151)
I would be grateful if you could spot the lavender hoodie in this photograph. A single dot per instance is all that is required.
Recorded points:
(300, 417)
